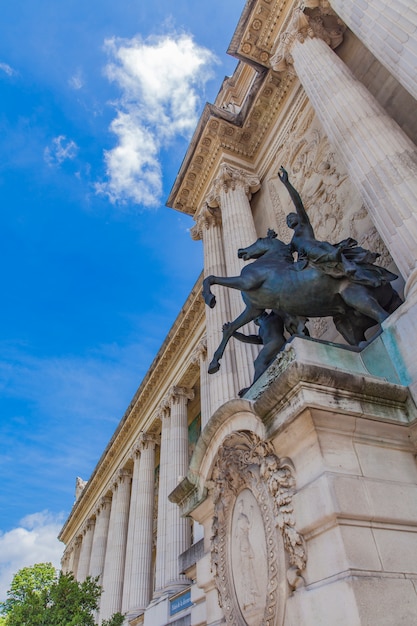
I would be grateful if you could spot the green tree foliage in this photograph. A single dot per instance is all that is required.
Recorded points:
(28, 582)
(40, 597)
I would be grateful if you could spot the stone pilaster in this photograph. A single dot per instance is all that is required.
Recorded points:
(98, 550)
(163, 491)
(231, 191)
(138, 580)
(389, 30)
(380, 158)
(178, 528)
(223, 384)
(85, 553)
(114, 563)
(199, 356)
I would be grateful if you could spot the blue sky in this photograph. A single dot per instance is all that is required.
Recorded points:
(98, 102)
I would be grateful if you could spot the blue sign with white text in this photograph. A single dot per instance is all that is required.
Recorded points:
(180, 602)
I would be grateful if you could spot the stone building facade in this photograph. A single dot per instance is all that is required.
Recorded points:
(295, 504)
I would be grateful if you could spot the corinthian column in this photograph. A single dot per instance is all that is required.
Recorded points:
(389, 30)
(76, 556)
(232, 191)
(380, 158)
(138, 581)
(199, 357)
(178, 528)
(114, 563)
(85, 553)
(98, 550)
(163, 491)
(223, 384)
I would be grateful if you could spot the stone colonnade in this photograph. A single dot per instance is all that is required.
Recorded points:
(116, 542)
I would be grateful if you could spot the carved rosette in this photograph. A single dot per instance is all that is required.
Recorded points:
(250, 481)
(312, 18)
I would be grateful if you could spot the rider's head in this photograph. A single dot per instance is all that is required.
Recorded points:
(292, 220)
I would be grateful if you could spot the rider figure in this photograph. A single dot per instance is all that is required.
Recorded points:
(323, 255)
(344, 259)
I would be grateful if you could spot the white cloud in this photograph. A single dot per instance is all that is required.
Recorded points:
(160, 81)
(60, 150)
(76, 81)
(33, 541)
(4, 67)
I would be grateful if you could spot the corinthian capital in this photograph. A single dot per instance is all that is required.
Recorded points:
(176, 394)
(207, 218)
(312, 18)
(147, 440)
(229, 179)
(200, 351)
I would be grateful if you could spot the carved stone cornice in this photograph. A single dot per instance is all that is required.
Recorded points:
(228, 179)
(239, 137)
(208, 217)
(314, 18)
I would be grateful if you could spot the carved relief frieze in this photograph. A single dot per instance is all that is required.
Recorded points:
(255, 545)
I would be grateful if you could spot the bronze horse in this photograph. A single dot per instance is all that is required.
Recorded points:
(273, 281)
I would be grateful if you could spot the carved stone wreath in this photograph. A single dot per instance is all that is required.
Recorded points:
(251, 484)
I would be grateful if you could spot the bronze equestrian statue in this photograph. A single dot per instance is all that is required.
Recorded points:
(326, 280)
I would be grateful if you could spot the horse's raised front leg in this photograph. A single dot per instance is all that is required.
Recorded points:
(241, 283)
(229, 328)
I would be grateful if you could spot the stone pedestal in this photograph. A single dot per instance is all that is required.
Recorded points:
(323, 446)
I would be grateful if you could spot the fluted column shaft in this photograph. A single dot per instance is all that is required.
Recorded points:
(380, 158)
(76, 556)
(163, 491)
(85, 553)
(98, 550)
(140, 587)
(114, 564)
(232, 191)
(199, 357)
(223, 385)
(135, 454)
(178, 528)
(389, 30)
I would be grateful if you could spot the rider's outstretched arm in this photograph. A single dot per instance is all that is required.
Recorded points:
(295, 196)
